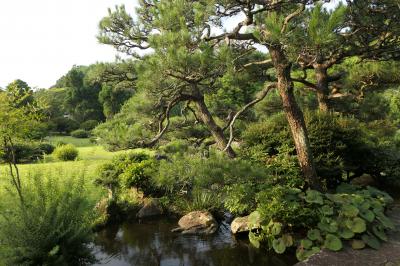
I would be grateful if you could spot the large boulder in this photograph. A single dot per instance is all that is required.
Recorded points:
(151, 207)
(364, 180)
(240, 224)
(197, 222)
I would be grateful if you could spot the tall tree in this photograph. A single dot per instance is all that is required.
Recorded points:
(20, 93)
(366, 29)
(182, 68)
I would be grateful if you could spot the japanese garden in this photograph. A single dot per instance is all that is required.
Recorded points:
(227, 132)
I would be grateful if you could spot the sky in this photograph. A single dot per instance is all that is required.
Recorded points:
(42, 39)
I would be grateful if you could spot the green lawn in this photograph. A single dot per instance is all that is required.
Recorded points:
(68, 139)
(89, 159)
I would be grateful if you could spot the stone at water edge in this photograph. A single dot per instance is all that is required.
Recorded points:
(240, 224)
(150, 208)
(197, 222)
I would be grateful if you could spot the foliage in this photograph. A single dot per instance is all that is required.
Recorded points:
(340, 145)
(66, 152)
(51, 227)
(80, 134)
(26, 152)
(126, 171)
(89, 125)
(129, 127)
(351, 214)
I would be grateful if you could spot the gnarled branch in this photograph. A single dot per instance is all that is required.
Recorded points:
(258, 99)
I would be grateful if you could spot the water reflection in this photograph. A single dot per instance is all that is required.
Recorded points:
(151, 243)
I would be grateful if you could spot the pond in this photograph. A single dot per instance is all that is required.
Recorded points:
(152, 243)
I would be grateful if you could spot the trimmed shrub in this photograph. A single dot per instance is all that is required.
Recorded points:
(126, 171)
(89, 125)
(46, 148)
(26, 152)
(80, 134)
(66, 152)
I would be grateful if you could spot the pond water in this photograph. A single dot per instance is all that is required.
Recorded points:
(152, 243)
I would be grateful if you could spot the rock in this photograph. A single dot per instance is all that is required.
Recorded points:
(197, 222)
(364, 180)
(240, 224)
(150, 208)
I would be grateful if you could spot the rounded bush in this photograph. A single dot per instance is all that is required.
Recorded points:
(66, 152)
(46, 148)
(80, 134)
(89, 125)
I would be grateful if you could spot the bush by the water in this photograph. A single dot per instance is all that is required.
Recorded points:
(128, 170)
(351, 215)
(52, 226)
(66, 152)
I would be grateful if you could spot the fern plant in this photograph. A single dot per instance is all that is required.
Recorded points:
(52, 226)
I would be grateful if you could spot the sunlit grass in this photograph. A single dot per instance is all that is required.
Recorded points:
(89, 159)
(68, 139)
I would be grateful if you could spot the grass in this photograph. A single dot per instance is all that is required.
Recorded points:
(90, 157)
(70, 140)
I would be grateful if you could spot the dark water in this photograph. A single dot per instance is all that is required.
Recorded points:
(152, 243)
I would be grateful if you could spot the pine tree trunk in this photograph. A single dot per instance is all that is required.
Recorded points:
(321, 74)
(295, 118)
(216, 131)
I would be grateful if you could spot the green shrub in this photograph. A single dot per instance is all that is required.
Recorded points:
(199, 200)
(341, 146)
(65, 125)
(175, 146)
(234, 182)
(66, 152)
(26, 152)
(351, 214)
(80, 134)
(46, 148)
(128, 170)
(89, 125)
(52, 227)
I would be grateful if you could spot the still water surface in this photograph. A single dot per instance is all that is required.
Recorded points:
(152, 243)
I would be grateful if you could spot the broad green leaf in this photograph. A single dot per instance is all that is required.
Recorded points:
(357, 225)
(279, 245)
(345, 233)
(314, 234)
(367, 215)
(371, 241)
(313, 196)
(349, 210)
(379, 232)
(276, 229)
(305, 243)
(357, 244)
(254, 240)
(332, 242)
(288, 240)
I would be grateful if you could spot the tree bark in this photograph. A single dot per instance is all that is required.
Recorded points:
(216, 131)
(322, 86)
(295, 117)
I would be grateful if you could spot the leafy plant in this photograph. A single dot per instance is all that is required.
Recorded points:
(52, 226)
(351, 214)
(80, 134)
(66, 152)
